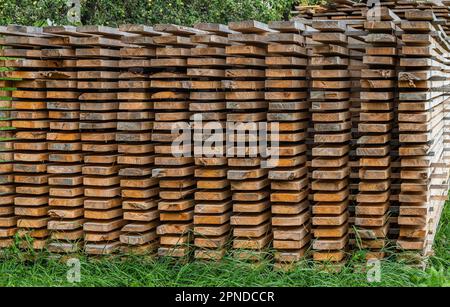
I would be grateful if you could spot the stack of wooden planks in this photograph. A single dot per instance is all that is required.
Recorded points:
(330, 94)
(139, 190)
(213, 205)
(337, 9)
(288, 116)
(329, 132)
(66, 193)
(351, 10)
(357, 49)
(30, 118)
(247, 108)
(98, 70)
(7, 190)
(174, 160)
(376, 123)
(386, 22)
(423, 85)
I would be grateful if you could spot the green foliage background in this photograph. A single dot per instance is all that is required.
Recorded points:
(115, 12)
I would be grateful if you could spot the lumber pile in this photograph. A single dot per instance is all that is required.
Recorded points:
(136, 151)
(375, 152)
(337, 9)
(423, 85)
(247, 107)
(288, 116)
(388, 25)
(97, 81)
(213, 204)
(174, 166)
(8, 221)
(357, 49)
(330, 93)
(65, 179)
(351, 10)
(30, 119)
(312, 137)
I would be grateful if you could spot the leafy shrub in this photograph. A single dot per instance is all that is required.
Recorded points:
(33, 12)
(115, 12)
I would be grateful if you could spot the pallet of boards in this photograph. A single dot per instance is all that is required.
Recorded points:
(174, 163)
(213, 204)
(7, 189)
(423, 86)
(66, 191)
(330, 105)
(98, 70)
(30, 120)
(288, 117)
(247, 108)
(139, 190)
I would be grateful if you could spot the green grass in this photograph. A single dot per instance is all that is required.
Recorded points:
(18, 268)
